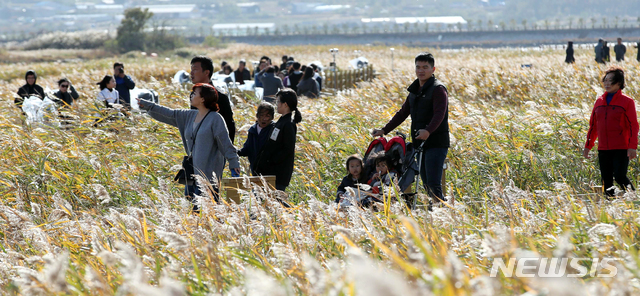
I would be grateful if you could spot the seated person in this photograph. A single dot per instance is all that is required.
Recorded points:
(29, 89)
(222, 65)
(385, 173)
(67, 93)
(108, 92)
(227, 70)
(242, 73)
(355, 176)
(271, 84)
(258, 135)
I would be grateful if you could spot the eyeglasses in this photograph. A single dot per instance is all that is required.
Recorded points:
(64, 85)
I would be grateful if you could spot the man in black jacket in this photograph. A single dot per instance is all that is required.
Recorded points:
(201, 72)
(29, 89)
(427, 103)
(295, 77)
(242, 73)
(620, 50)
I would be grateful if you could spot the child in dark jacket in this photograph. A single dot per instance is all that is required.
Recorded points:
(258, 135)
(385, 173)
(355, 167)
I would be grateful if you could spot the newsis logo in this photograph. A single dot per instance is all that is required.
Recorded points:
(555, 267)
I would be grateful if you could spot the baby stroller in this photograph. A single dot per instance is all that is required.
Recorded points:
(401, 154)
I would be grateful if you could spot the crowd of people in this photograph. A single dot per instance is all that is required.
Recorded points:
(602, 52)
(272, 78)
(208, 129)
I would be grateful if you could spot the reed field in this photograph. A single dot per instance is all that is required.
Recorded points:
(94, 211)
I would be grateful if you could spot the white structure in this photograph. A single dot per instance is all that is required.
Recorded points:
(239, 29)
(173, 11)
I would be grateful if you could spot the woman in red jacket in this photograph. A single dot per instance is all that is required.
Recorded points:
(615, 124)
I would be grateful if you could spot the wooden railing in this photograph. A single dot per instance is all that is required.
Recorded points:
(341, 80)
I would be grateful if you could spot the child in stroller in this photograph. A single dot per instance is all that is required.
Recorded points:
(385, 172)
(384, 159)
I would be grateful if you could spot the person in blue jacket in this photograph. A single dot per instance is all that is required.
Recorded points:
(123, 82)
(258, 134)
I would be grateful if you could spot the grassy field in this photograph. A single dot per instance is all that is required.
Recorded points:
(93, 211)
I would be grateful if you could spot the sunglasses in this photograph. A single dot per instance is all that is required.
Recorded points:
(64, 85)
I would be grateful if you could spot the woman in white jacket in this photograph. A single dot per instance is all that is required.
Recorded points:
(108, 92)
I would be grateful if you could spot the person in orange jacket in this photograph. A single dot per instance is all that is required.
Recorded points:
(615, 124)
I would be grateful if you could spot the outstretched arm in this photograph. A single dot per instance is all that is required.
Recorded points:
(164, 114)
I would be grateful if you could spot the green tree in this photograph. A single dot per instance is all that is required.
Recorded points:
(131, 34)
(593, 22)
(159, 39)
(480, 25)
(524, 24)
(581, 23)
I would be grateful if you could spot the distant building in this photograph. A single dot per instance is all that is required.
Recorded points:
(249, 8)
(99, 8)
(183, 11)
(309, 8)
(239, 29)
(303, 8)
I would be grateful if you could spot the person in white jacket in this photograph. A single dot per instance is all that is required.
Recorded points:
(108, 92)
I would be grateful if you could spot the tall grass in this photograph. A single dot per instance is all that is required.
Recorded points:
(93, 211)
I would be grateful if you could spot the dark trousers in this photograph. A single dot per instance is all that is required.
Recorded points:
(431, 170)
(613, 165)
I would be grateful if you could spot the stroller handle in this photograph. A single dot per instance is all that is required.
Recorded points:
(401, 134)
